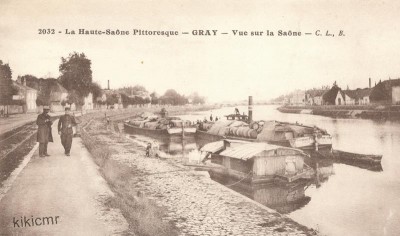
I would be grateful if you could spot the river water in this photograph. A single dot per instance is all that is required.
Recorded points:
(344, 199)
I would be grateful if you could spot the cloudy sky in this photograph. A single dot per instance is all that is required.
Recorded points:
(224, 67)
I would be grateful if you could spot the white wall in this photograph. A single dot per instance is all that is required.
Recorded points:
(396, 95)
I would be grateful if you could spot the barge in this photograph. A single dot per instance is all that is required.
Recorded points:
(157, 127)
(256, 163)
(273, 132)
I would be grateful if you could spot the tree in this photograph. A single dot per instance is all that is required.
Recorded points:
(126, 101)
(134, 90)
(197, 99)
(154, 98)
(76, 74)
(96, 90)
(173, 98)
(73, 98)
(111, 99)
(6, 85)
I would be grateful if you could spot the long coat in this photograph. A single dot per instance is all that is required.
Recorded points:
(65, 124)
(44, 134)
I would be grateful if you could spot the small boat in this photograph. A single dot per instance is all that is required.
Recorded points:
(256, 162)
(155, 126)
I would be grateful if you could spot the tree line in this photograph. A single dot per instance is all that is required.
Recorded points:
(76, 77)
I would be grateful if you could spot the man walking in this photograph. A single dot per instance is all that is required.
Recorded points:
(65, 130)
(44, 131)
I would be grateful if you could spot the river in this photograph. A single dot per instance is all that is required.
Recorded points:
(346, 200)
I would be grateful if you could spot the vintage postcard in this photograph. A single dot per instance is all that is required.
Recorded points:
(133, 117)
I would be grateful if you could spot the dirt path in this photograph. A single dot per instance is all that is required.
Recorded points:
(70, 190)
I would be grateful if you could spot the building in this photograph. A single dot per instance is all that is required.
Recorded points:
(298, 98)
(396, 94)
(386, 92)
(88, 102)
(314, 96)
(27, 95)
(340, 98)
(361, 96)
(58, 94)
(49, 91)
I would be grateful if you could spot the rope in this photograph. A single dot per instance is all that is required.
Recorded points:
(248, 174)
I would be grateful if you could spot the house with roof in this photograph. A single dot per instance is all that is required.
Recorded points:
(314, 96)
(57, 95)
(353, 97)
(26, 95)
(386, 92)
(362, 96)
(50, 92)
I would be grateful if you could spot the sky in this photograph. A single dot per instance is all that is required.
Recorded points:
(222, 67)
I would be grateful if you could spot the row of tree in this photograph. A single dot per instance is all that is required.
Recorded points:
(76, 78)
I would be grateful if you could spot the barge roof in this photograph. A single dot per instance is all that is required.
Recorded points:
(246, 150)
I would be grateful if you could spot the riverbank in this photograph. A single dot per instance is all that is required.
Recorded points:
(164, 197)
(354, 112)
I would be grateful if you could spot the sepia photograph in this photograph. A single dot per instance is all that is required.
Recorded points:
(188, 117)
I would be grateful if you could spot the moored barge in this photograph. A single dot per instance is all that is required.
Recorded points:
(256, 162)
(155, 126)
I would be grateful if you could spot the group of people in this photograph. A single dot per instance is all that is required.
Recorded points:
(65, 130)
(211, 119)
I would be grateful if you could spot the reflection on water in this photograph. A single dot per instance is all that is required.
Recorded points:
(342, 198)
(177, 146)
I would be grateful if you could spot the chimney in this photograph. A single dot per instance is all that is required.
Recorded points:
(108, 86)
(250, 109)
(369, 82)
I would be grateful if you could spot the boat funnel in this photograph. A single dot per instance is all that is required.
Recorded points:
(250, 109)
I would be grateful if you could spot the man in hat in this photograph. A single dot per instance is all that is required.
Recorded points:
(65, 130)
(44, 131)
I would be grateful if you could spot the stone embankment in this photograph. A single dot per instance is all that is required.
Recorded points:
(374, 113)
(192, 201)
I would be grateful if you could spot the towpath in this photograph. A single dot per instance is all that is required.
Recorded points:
(70, 190)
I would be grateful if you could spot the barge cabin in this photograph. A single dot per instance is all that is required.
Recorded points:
(256, 162)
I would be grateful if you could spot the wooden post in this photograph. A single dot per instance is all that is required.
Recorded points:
(183, 129)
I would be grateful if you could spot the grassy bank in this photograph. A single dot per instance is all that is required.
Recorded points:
(142, 214)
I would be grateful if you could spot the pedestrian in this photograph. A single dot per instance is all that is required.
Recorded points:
(148, 148)
(211, 117)
(216, 118)
(65, 130)
(44, 135)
